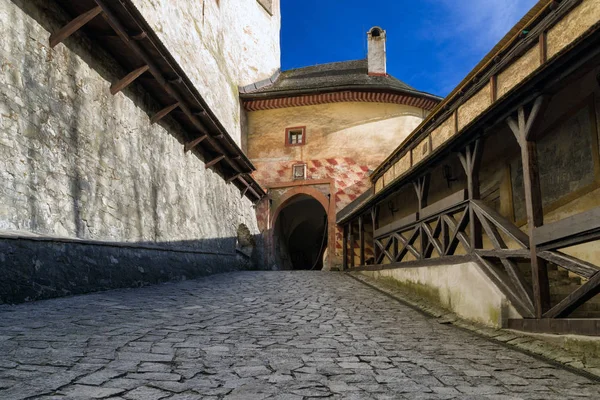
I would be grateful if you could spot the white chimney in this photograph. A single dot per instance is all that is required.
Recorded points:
(377, 59)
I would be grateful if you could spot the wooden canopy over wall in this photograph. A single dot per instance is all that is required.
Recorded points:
(553, 39)
(563, 44)
(118, 27)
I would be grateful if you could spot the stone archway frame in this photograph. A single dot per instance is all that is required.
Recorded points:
(328, 204)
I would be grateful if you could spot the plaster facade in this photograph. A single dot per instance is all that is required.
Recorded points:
(344, 142)
(462, 288)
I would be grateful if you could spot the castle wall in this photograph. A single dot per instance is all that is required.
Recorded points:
(79, 163)
(344, 141)
(220, 45)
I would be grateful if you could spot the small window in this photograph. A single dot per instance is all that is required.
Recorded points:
(299, 171)
(295, 136)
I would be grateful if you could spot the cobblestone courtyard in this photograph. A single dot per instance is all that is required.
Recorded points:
(279, 335)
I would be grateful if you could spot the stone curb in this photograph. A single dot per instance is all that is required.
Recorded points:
(516, 340)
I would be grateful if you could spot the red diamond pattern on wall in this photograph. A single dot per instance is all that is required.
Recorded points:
(351, 180)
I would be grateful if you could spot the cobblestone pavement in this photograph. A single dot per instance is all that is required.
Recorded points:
(255, 335)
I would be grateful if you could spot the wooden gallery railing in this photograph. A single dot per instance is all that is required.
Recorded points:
(442, 233)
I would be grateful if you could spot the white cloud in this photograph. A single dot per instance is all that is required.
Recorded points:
(461, 32)
(480, 23)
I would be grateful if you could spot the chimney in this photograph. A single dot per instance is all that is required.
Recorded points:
(377, 60)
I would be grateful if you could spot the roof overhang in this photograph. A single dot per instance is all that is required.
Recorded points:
(355, 93)
(451, 102)
(118, 27)
(581, 55)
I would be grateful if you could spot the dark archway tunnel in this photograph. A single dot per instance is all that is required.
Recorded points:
(301, 234)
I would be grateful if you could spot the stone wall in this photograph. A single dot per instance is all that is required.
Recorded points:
(39, 268)
(77, 162)
(220, 45)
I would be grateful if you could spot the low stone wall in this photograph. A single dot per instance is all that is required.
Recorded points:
(462, 288)
(40, 268)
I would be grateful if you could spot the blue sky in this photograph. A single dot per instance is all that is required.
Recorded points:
(432, 44)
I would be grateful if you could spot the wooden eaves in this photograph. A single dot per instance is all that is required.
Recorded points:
(451, 102)
(119, 27)
(549, 78)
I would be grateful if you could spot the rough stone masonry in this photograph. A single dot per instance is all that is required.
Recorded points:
(81, 169)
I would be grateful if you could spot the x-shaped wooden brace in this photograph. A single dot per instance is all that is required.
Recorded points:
(457, 233)
(407, 244)
(385, 250)
(523, 289)
(433, 236)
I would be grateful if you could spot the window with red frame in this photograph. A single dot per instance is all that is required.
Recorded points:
(295, 136)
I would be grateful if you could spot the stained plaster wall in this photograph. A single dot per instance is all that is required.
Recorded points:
(77, 162)
(220, 45)
(344, 141)
(365, 132)
(462, 288)
(587, 197)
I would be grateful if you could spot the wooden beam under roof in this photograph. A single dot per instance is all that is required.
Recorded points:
(214, 161)
(234, 177)
(245, 191)
(73, 26)
(113, 35)
(128, 79)
(249, 186)
(163, 113)
(120, 29)
(190, 145)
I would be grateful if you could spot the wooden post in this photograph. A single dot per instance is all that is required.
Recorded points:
(345, 248)
(351, 238)
(470, 159)
(374, 219)
(422, 188)
(361, 239)
(525, 130)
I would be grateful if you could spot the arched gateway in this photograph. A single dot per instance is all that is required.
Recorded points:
(301, 230)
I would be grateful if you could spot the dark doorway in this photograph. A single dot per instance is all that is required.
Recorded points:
(301, 234)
